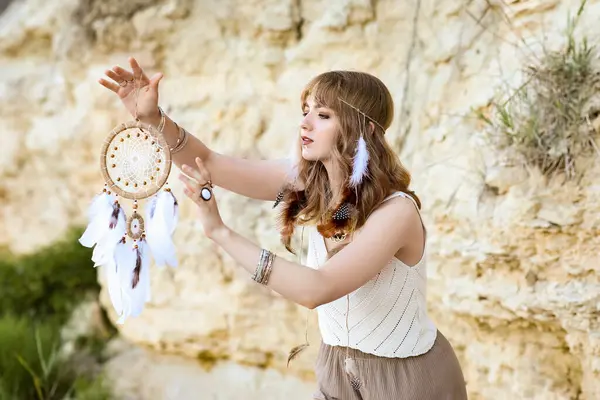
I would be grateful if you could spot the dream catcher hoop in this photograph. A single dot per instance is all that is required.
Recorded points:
(136, 177)
(135, 162)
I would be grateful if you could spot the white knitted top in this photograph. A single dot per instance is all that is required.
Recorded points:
(387, 316)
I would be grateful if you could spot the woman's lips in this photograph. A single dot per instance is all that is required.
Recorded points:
(306, 141)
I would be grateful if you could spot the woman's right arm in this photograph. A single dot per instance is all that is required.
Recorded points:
(257, 179)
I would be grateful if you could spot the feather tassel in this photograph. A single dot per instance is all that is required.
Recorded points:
(161, 221)
(103, 251)
(135, 279)
(125, 259)
(113, 282)
(352, 371)
(99, 212)
(140, 293)
(145, 275)
(296, 351)
(360, 163)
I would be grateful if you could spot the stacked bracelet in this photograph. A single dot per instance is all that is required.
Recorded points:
(264, 267)
(181, 140)
(163, 120)
(183, 134)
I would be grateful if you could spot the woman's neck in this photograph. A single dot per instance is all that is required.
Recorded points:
(334, 174)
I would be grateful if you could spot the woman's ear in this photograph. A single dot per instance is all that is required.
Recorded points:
(371, 127)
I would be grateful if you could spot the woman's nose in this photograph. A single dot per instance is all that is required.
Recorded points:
(305, 123)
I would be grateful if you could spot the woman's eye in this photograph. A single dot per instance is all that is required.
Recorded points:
(304, 113)
(323, 116)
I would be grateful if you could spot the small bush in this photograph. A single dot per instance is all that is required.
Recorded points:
(39, 292)
(28, 360)
(547, 120)
(32, 368)
(95, 389)
(49, 282)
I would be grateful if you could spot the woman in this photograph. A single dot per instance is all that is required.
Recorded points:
(366, 270)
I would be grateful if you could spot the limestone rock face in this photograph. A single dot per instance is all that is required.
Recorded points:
(513, 256)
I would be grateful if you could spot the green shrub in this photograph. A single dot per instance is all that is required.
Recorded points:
(28, 360)
(94, 389)
(32, 369)
(38, 294)
(49, 282)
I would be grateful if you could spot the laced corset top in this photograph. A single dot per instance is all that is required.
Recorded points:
(387, 316)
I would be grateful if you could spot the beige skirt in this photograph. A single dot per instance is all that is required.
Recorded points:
(435, 375)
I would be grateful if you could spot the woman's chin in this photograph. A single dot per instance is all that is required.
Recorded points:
(308, 155)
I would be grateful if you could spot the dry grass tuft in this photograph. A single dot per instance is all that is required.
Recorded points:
(549, 120)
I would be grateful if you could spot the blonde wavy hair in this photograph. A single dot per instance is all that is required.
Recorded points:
(386, 174)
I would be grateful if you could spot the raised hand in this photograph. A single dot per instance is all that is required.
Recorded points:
(198, 187)
(125, 83)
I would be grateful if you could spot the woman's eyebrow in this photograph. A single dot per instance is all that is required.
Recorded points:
(317, 105)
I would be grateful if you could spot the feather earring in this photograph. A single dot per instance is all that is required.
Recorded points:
(360, 163)
(342, 220)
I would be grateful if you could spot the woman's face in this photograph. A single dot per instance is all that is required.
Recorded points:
(318, 131)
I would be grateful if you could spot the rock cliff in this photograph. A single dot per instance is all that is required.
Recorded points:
(513, 255)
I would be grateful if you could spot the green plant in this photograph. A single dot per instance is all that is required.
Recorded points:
(48, 282)
(29, 360)
(39, 292)
(32, 368)
(91, 389)
(547, 119)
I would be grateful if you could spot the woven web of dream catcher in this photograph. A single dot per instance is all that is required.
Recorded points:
(134, 162)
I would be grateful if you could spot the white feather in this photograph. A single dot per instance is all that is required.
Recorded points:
(161, 217)
(146, 256)
(167, 205)
(152, 236)
(125, 259)
(113, 282)
(139, 294)
(99, 214)
(103, 251)
(360, 163)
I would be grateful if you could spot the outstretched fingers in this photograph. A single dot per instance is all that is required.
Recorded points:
(109, 85)
(122, 74)
(137, 70)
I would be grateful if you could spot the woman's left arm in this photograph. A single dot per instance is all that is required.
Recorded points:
(386, 231)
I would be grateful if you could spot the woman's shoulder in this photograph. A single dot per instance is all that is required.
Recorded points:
(394, 206)
(400, 195)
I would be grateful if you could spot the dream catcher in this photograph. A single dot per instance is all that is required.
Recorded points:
(135, 162)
